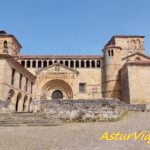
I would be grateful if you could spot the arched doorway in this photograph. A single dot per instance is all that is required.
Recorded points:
(18, 101)
(25, 106)
(57, 94)
(56, 89)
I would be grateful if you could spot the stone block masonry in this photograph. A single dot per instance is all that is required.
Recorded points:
(84, 110)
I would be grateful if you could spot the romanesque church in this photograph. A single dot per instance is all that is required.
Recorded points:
(121, 72)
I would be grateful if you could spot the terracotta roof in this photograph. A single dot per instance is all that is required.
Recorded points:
(140, 63)
(136, 63)
(137, 53)
(112, 46)
(59, 56)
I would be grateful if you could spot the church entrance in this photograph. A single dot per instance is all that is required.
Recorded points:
(57, 95)
(56, 89)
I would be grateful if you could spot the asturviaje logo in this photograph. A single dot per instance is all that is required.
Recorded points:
(118, 136)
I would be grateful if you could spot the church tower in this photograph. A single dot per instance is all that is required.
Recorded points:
(112, 65)
(114, 51)
(9, 44)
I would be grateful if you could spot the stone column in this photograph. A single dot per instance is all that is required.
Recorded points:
(79, 63)
(69, 63)
(84, 63)
(31, 62)
(36, 63)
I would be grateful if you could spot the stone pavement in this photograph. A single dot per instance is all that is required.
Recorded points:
(76, 136)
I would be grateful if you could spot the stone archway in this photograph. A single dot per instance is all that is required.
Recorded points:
(25, 104)
(57, 85)
(18, 106)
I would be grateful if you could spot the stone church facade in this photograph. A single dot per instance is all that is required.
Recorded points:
(122, 72)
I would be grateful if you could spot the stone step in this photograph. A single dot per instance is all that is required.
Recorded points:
(27, 119)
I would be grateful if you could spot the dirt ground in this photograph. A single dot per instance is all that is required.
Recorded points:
(76, 136)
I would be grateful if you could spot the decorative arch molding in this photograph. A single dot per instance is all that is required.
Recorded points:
(57, 84)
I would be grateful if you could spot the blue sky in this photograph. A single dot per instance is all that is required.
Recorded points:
(73, 26)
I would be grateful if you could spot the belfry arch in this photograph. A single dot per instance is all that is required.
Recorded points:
(56, 85)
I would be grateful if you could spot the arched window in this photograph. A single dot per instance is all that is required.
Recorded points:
(108, 52)
(87, 64)
(39, 64)
(71, 63)
(50, 62)
(55, 61)
(98, 63)
(138, 44)
(34, 64)
(82, 63)
(20, 81)
(13, 76)
(23, 63)
(93, 64)
(133, 44)
(28, 64)
(61, 62)
(77, 63)
(66, 63)
(112, 52)
(5, 44)
(44, 63)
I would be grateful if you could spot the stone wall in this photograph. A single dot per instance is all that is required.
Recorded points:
(136, 83)
(84, 110)
(81, 110)
(5, 106)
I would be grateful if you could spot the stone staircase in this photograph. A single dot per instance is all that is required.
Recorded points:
(27, 119)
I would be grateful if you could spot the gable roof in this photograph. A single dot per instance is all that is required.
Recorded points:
(15, 63)
(137, 53)
(57, 64)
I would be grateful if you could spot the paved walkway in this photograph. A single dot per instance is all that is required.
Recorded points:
(75, 136)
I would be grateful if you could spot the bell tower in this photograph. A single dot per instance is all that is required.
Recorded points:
(9, 44)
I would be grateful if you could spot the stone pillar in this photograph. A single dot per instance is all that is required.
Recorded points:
(42, 63)
(79, 63)
(74, 64)
(36, 63)
(89, 63)
(95, 63)
(69, 63)
(25, 63)
(84, 63)
(31, 62)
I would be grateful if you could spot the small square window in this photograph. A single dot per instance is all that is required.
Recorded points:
(82, 87)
